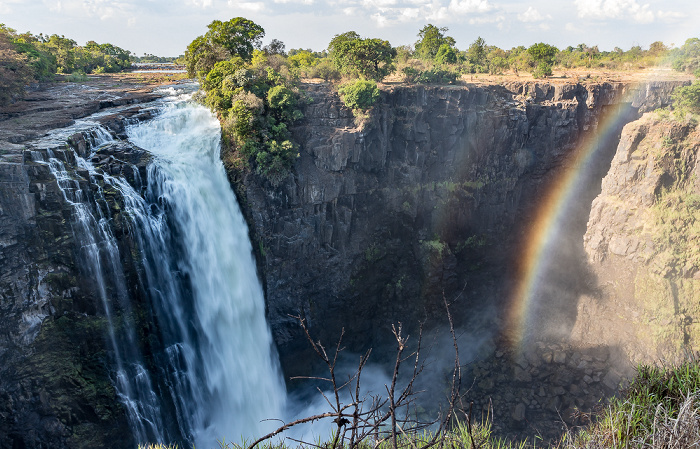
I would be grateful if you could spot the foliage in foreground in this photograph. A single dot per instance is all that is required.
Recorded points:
(660, 409)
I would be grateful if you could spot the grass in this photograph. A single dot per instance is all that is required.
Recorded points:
(660, 409)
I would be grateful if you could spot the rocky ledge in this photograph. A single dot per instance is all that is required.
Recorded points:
(55, 389)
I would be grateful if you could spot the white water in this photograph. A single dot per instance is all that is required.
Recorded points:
(225, 379)
(217, 368)
(101, 264)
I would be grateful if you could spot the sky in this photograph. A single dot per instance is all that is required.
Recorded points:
(166, 27)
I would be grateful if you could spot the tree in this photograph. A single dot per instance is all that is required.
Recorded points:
(687, 98)
(367, 58)
(275, 47)
(431, 39)
(15, 72)
(687, 58)
(236, 37)
(446, 55)
(543, 55)
(477, 55)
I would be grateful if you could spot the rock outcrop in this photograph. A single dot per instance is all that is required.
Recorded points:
(55, 385)
(643, 243)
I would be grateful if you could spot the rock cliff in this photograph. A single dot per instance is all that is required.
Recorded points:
(642, 241)
(55, 389)
(429, 198)
(431, 201)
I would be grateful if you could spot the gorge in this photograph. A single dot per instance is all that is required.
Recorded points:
(435, 198)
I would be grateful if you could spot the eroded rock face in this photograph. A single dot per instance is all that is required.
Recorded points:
(642, 241)
(55, 389)
(430, 198)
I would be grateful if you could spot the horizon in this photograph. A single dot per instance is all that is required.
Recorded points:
(165, 28)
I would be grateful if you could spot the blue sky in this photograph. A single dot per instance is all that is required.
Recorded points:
(165, 27)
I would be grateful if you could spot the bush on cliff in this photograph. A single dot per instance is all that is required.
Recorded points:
(359, 95)
(687, 98)
(256, 106)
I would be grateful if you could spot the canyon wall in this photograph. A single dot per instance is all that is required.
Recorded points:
(429, 199)
(432, 201)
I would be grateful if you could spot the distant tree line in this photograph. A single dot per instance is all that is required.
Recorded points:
(27, 57)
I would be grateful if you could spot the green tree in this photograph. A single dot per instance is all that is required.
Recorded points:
(687, 98)
(431, 38)
(544, 56)
(476, 54)
(369, 58)
(687, 58)
(15, 71)
(236, 37)
(446, 55)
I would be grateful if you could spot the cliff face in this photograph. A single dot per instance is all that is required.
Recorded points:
(428, 200)
(642, 241)
(55, 389)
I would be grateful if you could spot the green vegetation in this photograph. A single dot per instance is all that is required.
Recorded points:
(687, 98)
(659, 409)
(15, 71)
(432, 41)
(236, 38)
(359, 95)
(254, 101)
(543, 56)
(687, 58)
(27, 57)
(365, 58)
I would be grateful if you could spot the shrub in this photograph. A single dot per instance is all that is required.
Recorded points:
(359, 95)
(543, 70)
(687, 98)
(437, 76)
(325, 70)
(15, 73)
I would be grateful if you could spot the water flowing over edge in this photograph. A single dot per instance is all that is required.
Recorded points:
(217, 369)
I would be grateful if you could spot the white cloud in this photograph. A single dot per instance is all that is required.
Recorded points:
(532, 15)
(201, 3)
(301, 2)
(670, 16)
(6, 7)
(470, 6)
(391, 12)
(614, 9)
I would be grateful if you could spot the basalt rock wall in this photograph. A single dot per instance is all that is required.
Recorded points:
(427, 201)
(642, 241)
(55, 385)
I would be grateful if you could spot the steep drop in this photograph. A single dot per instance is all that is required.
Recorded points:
(225, 379)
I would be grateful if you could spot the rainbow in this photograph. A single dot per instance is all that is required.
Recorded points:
(548, 224)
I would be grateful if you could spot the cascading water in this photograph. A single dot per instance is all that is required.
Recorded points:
(225, 380)
(216, 375)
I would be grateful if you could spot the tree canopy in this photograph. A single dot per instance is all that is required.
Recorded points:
(369, 58)
(236, 37)
(431, 38)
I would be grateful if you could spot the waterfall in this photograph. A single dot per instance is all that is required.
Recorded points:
(225, 379)
(217, 376)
